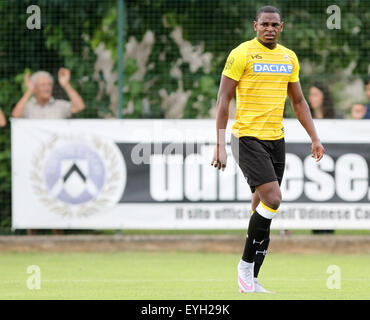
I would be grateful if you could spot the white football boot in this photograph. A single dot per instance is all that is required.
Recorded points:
(258, 288)
(245, 277)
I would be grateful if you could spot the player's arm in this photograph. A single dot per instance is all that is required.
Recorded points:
(225, 94)
(303, 113)
(233, 70)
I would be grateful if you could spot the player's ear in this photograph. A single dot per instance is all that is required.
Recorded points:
(255, 25)
(281, 26)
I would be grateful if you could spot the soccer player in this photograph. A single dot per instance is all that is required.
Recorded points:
(262, 72)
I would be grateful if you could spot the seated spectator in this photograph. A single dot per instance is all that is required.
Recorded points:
(38, 102)
(321, 103)
(362, 111)
(2, 119)
(358, 111)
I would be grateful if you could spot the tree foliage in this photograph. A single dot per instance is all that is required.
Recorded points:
(73, 29)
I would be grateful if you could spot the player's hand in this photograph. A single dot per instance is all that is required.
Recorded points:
(219, 158)
(317, 150)
(64, 75)
(29, 83)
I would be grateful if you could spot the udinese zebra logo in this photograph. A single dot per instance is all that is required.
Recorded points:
(78, 176)
(74, 173)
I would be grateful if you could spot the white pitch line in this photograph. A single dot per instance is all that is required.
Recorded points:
(177, 280)
(119, 280)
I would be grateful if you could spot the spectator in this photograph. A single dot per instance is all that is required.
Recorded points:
(360, 111)
(38, 102)
(321, 103)
(42, 105)
(2, 119)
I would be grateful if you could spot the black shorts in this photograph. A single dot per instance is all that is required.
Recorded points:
(261, 161)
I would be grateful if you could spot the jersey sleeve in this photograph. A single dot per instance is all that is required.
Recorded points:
(294, 77)
(235, 64)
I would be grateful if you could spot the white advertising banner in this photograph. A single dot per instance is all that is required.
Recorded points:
(156, 174)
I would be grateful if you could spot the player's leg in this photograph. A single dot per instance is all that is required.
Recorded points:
(270, 194)
(259, 224)
(258, 237)
(270, 197)
(246, 268)
(255, 201)
(255, 162)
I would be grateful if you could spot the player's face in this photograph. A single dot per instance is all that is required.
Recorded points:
(43, 87)
(268, 27)
(315, 97)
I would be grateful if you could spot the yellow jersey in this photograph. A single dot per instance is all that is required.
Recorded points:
(263, 75)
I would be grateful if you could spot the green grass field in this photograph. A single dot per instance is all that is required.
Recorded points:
(172, 276)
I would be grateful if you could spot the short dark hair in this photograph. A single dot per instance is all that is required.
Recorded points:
(367, 81)
(268, 9)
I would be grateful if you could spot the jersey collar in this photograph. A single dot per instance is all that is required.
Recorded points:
(263, 47)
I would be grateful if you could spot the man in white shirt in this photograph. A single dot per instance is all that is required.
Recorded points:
(38, 102)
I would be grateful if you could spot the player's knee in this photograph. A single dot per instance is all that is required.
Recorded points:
(270, 195)
(275, 204)
(274, 200)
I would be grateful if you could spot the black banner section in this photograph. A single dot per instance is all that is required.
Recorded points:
(156, 170)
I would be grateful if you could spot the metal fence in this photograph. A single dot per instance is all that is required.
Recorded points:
(163, 58)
